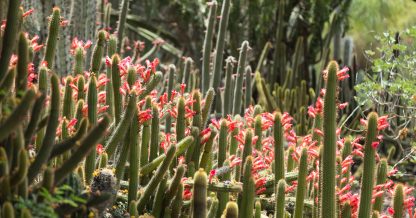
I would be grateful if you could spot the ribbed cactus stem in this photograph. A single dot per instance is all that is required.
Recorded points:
(224, 197)
(248, 92)
(279, 152)
(157, 208)
(171, 81)
(22, 167)
(231, 210)
(78, 112)
(301, 187)
(80, 87)
(279, 210)
(133, 209)
(222, 143)
(154, 136)
(124, 6)
(115, 79)
(46, 149)
(329, 151)
(398, 201)
(154, 81)
(206, 53)
(238, 90)
(92, 118)
(209, 99)
(248, 147)
(22, 63)
(257, 213)
(79, 57)
(219, 49)
(228, 89)
(134, 158)
(177, 202)
(124, 148)
(199, 195)
(381, 179)
(187, 72)
(86, 145)
(98, 52)
(258, 131)
(367, 183)
(180, 120)
(34, 119)
(9, 37)
(153, 183)
(248, 194)
(174, 185)
(7, 210)
(213, 209)
(207, 155)
(67, 104)
(122, 126)
(7, 84)
(53, 35)
(144, 147)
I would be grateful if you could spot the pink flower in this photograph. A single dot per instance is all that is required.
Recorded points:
(343, 74)
(99, 148)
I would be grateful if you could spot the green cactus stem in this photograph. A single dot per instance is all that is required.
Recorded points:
(153, 183)
(154, 81)
(228, 89)
(177, 202)
(7, 210)
(124, 6)
(257, 213)
(248, 92)
(22, 62)
(9, 37)
(86, 145)
(231, 210)
(122, 126)
(206, 53)
(122, 157)
(22, 166)
(46, 148)
(116, 82)
(171, 81)
(248, 147)
(157, 208)
(79, 57)
(381, 179)
(154, 135)
(247, 198)
(258, 131)
(279, 160)
(213, 209)
(301, 187)
(224, 197)
(206, 155)
(238, 90)
(222, 143)
(81, 86)
(18, 115)
(69, 143)
(67, 101)
(329, 151)
(6, 86)
(134, 159)
(174, 185)
(180, 120)
(279, 211)
(199, 195)
(398, 200)
(144, 152)
(48, 179)
(219, 49)
(52, 39)
(98, 52)
(209, 99)
(133, 209)
(346, 210)
(367, 183)
(92, 102)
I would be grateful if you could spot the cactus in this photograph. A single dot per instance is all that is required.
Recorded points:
(228, 89)
(87, 144)
(206, 155)
(279, 211)
(248, 92)
(67, 104)
(174, 185)
(238, 93)
(381, 179)
(329, 152)
(134, 155)
(154, 136)
(301, 187)
(346, 210)
(14, 18)
(199, 195)
(208, 46)
(176, 204)
(222, 144)
(279, 161)
(22, 62)
(257, 214)
(92, 118)
(398, 201)
(180, 120)
(116, 82)
(156, 178)
(7, 210)
(369, 166)
(213, 209)
(46, 148)
(258, 131)
(53, 35)
(231, 210)
(247, 202)
(171, 80)
(157, 208)
(209, 98)
(98, 52)
(124, 6)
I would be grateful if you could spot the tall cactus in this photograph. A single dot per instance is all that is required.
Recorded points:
(124, 6)
(247, 202)
(92, 118)
(199, 196)
(367, 183)
(206, 54)
(279, 210)
(238, 90)
(398, 201)
(301, 186)
(329, 151)
(53, 35)
(381, 179)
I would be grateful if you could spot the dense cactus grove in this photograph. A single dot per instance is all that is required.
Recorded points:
(128, 136)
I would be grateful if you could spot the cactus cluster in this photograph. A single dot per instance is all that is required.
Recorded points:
(136, 137)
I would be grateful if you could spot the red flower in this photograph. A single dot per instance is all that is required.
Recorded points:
(99, 148)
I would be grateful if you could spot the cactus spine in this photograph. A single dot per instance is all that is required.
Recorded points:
(329, 151)
(369, 166)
